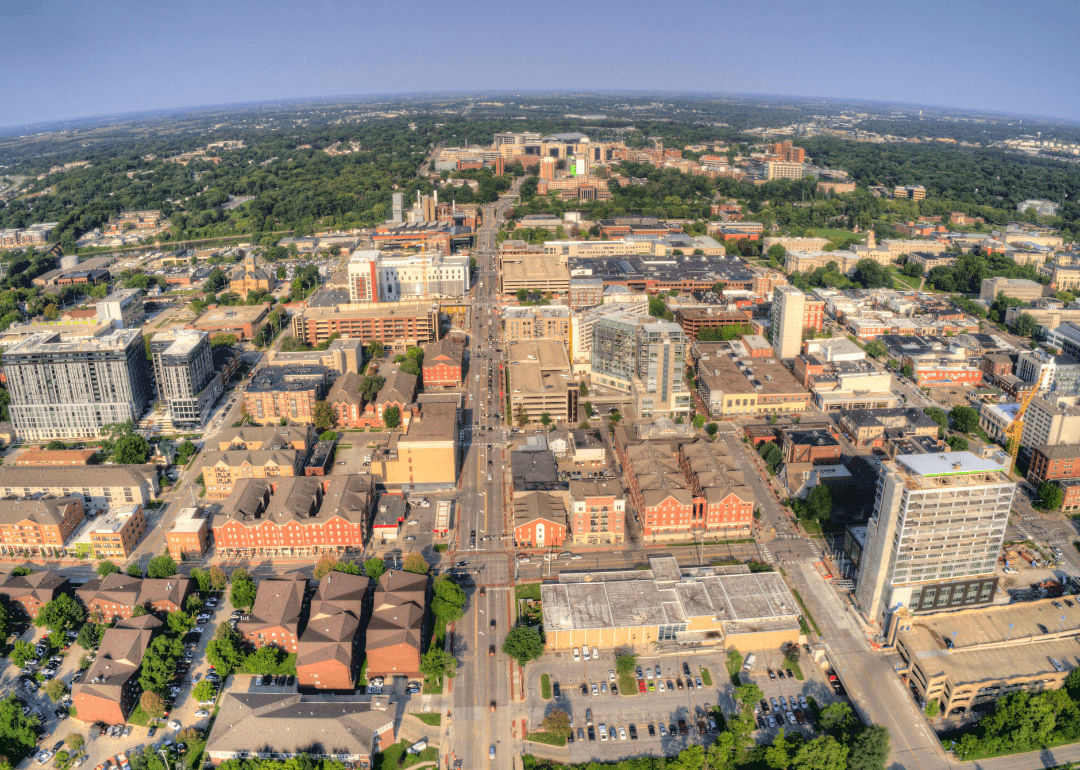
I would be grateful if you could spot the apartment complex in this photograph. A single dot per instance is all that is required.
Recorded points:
(377, 277)
(788, 309)
(110, 688)
(395, 325)
(73, 387)
(285, 392)
(33, 591)
(98, 486)
(277, 617)
(115, 534)
(38, 527)
(117, 595)
(328, 654)
(540, 382)
(543, 322)
(1049, 421)
(934, 537)
(392, 642)
(186, 380)
(642, 357)
(341, 355)
(597, 512)
(539, 519)
(294, 516)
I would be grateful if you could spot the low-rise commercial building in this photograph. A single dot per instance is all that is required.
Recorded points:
(662, 607)
(244, 321)
(867, 427)
(539, 322)
(425, 456)
(341, 356)
(743, 385)
(189, 536)
(1017, 288)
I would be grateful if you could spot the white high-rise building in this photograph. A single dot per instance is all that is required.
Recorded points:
(788, 309)
(376, 277)
(933, 540)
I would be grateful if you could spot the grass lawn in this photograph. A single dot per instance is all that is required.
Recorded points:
(432, 719)
(628, 683)
(806, 612)
(548, 738)
(527, 591)
(907, 281)
(794, 666)
(706, 677)
(811, 526)
(833, 234)
(362, 681)
(395, 756)
(286, 666)
(545, 686)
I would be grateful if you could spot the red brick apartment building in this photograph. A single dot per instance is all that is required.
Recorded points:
(277, 615)
(110, 688)
(117, 595)
(328, 654)
(38, 527)
(294, 516)
(539, 520)
(1050, 463)
(597, 512)
(32, 592)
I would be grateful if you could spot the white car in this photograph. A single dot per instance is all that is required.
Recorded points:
(577, 654)
(202, 713)
(174, 724)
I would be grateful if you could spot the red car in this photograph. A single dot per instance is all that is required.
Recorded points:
(641, 685)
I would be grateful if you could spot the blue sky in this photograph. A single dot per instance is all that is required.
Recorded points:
(72, 58)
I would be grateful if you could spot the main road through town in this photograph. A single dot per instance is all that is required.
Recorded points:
(480, 706)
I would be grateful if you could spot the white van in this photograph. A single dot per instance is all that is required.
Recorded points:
(585, 651)
(749, 663)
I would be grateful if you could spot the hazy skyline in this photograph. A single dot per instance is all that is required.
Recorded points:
(73, 60)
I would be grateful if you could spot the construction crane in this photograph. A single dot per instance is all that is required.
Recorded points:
(1016, 429)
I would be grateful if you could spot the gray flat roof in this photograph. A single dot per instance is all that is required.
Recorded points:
(946, 464)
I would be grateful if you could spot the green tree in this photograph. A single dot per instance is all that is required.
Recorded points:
(523, 643)
(870, 749)
(583, 389)
(777, 252)
(876, 348)
(778, 754)
(226, 650)
(161, 566)
(370, 387)
(391, 417)
(1025, 325)
(131, 449)
(106, 568)
(265, 660)
(965, 418)
(18, 731)
(5, 621)
(699, 420)
(374, 567)
(557, 722)
(545, 419)
(218, 579)
(323, 416)
(153, 704)
(1049, 497)
(712, 428)
(938, 416)
(202, 579)
(838, 720)
(21, 652)
(415, 563)
(75, 742)
(437, 663)
(626, 663)
(179, 622)
(243, 589)
(134, 570)
(62, 614)
(90, 636)
(819, 503)
(957, 443)
(203, 691)
(56, 689)
(748, 694)
(771, 454)
(159, 663)
(821, 753)
(447, 601)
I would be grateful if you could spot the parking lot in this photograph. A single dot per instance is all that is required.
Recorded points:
(132, 738)
(795, 694)
(658, 709)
